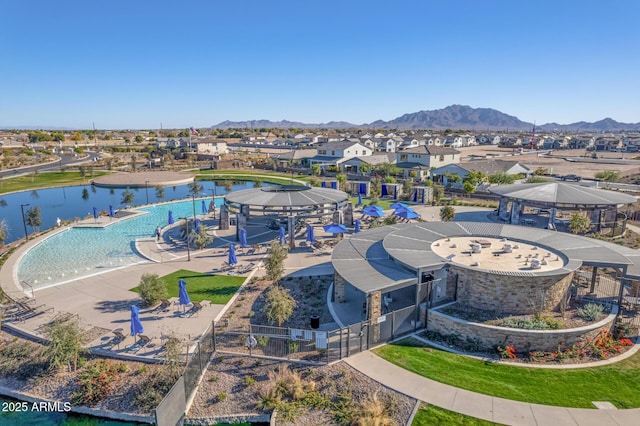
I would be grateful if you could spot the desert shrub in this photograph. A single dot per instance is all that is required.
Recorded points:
(373, 411)
(528, 323)
(65, 342)
(152, 288)
(96, 381)
(590, 311)
(149, 394)
(23, 360)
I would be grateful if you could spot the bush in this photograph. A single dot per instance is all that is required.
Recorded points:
(149, 394)
(590, 311)
(152, 288)
(65, 342)
(95, 383)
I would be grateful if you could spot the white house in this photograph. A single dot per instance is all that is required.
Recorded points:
(423, 158)
(212, 146)
(335, 153)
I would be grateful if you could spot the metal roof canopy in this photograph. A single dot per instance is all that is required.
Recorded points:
(562, 194)
(287, 196)
(375, 260)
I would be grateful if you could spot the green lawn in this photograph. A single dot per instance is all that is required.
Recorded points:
(44, 180)
(616, 383)
(216, 288)
(430, 415)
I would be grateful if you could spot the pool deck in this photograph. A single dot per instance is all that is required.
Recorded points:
(143, 179)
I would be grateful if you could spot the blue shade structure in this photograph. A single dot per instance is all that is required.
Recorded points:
(283, 236)
(243, 237)
(171, 221)
(373, 211)
(311, 234)
(335, 228)
(406, 213)
(182, 293)
(136, 325)
(399, 205)
(233, 260)
(356, 229)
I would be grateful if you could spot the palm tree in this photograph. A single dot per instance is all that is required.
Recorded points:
(4, 230)
(34, 220)
(127, 197)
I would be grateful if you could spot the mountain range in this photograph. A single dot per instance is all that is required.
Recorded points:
(459, 117)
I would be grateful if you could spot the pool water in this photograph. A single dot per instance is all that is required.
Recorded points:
(82, 252)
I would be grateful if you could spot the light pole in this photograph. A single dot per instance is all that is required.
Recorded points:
(188, 249)
(24, 222)
(146, 189)
(193, 197)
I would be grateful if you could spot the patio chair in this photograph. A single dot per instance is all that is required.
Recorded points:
(163, 306)
(119, 337)
(197, 307)
(141, 343)
(256, 248)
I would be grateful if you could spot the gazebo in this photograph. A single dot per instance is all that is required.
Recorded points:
(553, 196)
(284, 205)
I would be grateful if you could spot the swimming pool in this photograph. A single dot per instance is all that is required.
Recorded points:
(82, 252)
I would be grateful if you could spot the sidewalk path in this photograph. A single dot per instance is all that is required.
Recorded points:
(486, 407)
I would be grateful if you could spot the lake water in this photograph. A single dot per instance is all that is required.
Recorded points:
(68, 203)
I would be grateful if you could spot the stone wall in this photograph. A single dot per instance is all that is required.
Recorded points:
(338, 288)
(491, 336)
(510, 293)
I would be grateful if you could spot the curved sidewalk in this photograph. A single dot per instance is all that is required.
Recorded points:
(486, 407)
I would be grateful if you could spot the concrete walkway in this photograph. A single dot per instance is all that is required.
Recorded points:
(483, 406)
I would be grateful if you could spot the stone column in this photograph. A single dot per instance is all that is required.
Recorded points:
(502, 207)
(375, 311)
(552, 218)
(339, 287)
(516, 210)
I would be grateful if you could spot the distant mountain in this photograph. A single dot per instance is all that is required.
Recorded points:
(36, 128)
(455, 117)
(458, 117)
(606, 125)
(283, 124)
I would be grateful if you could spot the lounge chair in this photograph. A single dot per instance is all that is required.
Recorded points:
(119, 337)
(197, 307)
(141, 342)
(246, 268)
(163, 306)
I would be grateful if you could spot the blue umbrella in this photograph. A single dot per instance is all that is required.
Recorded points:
(357, 226)
(95, 213)
(283, 236)
(197, 225)
(399, 205)
(335, 228)
(233, 260)
(171, 217)
(374, 207)
(359, 199)
(370, 211)
(406, 213)
(310, 234)
(243, 237)
(182, 293)
(136, 325)
(204, 207)
(111, 213)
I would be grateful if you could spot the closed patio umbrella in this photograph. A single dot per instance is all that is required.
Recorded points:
(136, 324)
(95, 213)
(111, 213)
(359, 200)
(283, 236)
(311, 234)
(233, 260)
(204, 207)
(357, 226)
(182, 294)
(171, 221)
(243, 237)
(196, 225)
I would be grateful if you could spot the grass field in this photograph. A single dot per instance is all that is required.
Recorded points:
(218, 289)
(44, 180)
(577, 387)
(430, 415)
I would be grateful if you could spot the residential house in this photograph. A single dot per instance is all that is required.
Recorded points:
(353, 165)
(172, 143)
(488, 167)
(386, 145)
(210, 146)
(334, 153)
(421, 159)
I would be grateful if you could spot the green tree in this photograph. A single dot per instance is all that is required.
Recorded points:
(85, 194)
(608, 175)
(469, 187)
(133, 162)
(390, 220)
(183, 133)
(152, 288)
(342, 181)
(388, 169)
(475, 177)
(579, 223)
(274, 263)
(160, 192)
(501, 178)
(541, 171)
(438, 192)
(279, 305)
(77, 136)
(201, 238)
(138, 139)
(65, 342)
(364, 168)
(315, 169)
(389, 179)
(127, 197)
(447, 213)
(195, 188)
(452, 177)
(83, 171)
(109, 163)
(34, 220)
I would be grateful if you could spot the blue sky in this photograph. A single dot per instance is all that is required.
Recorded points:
(136, 64)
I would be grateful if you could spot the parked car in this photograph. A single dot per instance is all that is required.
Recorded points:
(572, 177)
